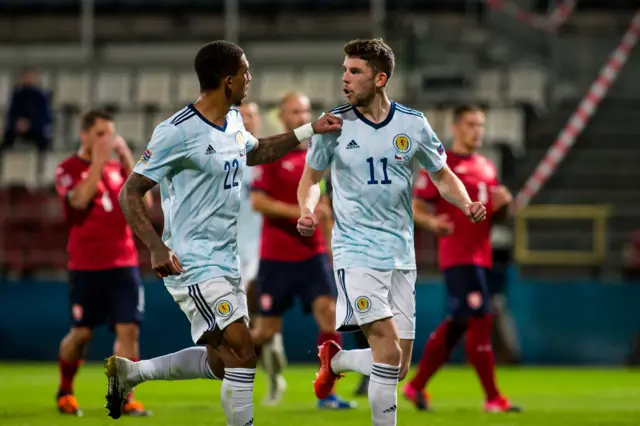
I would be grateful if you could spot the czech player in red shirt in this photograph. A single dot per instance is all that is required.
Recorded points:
(291, 266)
(465, 256)
(105, 286)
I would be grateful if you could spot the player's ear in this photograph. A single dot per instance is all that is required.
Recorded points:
(381, 79)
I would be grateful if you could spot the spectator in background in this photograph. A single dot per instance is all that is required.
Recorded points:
(29, 117)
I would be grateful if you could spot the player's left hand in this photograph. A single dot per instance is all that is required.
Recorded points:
(475, 211)
(326, 124)
(307, 224)
(500, 197)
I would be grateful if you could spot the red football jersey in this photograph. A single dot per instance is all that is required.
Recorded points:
(280, 239)
(469, 243)
(99, 236)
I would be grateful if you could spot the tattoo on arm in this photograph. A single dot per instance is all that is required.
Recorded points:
(271, 148)
(134, 209)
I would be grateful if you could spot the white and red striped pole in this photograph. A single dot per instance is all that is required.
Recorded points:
(580, 117)
(556, 18)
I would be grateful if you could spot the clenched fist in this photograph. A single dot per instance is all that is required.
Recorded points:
(475, 211)
(326, 124)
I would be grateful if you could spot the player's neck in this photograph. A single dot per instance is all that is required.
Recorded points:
(459, 148)
(84, 154)
(378, 110)
(213, 108)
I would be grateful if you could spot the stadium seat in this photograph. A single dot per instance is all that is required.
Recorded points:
(488, 87)
(131, 126)
(445, 124)
(322, 86)
(19, 168)
(51, 162)
(72, 90)
(506, 125)
(5, 90)
(188, 88)
(527, 85)
(113, 89)
(153, 89)
(397, 87)
(274, 83)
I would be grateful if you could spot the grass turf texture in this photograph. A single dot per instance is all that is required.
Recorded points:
(550, 397)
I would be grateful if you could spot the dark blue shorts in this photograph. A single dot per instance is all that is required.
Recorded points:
(112, 296)
(280, 282)
(467, 291)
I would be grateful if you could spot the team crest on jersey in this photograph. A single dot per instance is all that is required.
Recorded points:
(363, 304)
(224, 308)
(146, 156)
(402, 143)
(240, 142)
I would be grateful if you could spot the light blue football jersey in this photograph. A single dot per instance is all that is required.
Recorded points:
(373, 166)
(199, 167)
(250, 222)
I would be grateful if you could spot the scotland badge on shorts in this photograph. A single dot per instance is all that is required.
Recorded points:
(224, 308)
(241, 143)
(363, 304)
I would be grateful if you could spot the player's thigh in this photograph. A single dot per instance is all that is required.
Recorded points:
(126, 296)
(275, 287)
(363, 297)
(88, 301)
(383, 340)
(467, 292)
(211, 305)
(402, 298)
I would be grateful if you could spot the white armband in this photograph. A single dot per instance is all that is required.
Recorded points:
(304, 132)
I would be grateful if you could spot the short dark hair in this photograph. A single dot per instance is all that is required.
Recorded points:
(215, 61)
(461, 110)
(375, 52)
(89, 118)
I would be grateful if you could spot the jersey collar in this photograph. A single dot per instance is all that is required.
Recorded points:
(383, 123)
(221, 128)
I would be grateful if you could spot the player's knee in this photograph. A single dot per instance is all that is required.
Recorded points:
(127, 334)
(80, 335)
(324, 309)
(237, 338)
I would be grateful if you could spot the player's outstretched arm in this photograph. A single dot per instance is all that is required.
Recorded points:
(274, 147)
(453, 190)
(131, 200)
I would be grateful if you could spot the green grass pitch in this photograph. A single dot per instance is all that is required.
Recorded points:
(557, 396)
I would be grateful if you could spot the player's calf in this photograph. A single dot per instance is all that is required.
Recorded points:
(237, 352)
(385, 371)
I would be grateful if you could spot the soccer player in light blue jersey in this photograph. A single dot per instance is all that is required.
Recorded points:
(373, 161)
(198, 157)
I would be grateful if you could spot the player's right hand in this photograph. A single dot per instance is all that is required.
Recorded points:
(101, 150)
(165, 262)
(326, 124)
(475, 211)
(307, 224)
(441, 225)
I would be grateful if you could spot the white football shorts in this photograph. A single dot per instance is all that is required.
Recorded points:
(366, 295)
(211, 304)
(249, 269)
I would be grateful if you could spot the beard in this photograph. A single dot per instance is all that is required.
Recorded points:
(365, 99)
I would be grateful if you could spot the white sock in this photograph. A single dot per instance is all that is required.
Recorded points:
(237, 396)
(383, 394)
(187, 364)
(358, 360)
